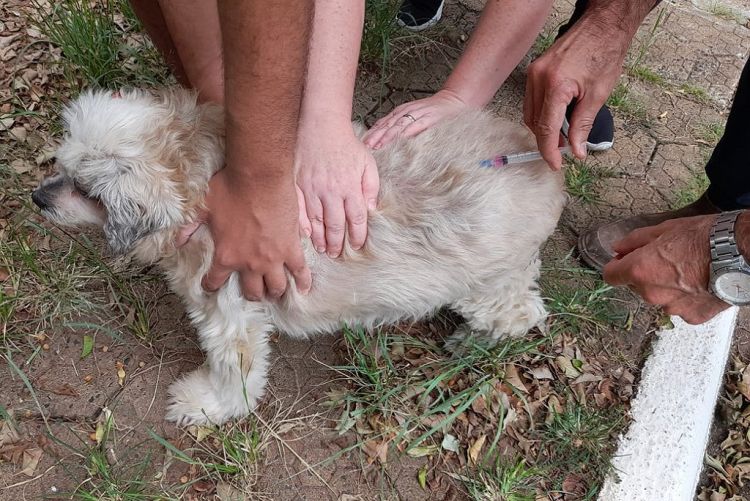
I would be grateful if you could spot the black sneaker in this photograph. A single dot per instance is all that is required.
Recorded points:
(602, 133)
(418, 15)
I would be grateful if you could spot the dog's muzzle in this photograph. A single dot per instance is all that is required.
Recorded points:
(41, 198)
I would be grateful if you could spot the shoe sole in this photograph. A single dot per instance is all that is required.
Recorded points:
(603, 146)
(429, 24)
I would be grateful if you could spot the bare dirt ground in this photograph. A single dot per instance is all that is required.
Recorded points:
(83, 395)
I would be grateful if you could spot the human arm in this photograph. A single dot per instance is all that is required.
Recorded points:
(504, 34)
(584, 65)
(252, 207)
(336, 173)
(669, 265)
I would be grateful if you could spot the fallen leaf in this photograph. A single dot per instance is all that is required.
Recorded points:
(120, 373)
(4, 274)
(541, 373)
(475, 449)
(376, 450)
(418, 452)
(31, 459)
(744, 385)
(512, 377)
(21, 166)
(8, 434)
(566, 365)
(422, 477)
(88, 346)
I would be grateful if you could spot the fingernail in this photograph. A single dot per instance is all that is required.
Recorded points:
(320, 249)
(372, 204)
(307, 232)
(332, 254)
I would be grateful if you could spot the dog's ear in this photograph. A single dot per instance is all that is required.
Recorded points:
(125, 225)
(135, 207)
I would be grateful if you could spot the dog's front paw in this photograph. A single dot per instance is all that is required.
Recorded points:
(194, 400)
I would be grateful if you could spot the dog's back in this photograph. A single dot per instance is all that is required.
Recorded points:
(445, 227)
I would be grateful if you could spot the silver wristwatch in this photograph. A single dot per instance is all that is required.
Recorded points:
(730, 273)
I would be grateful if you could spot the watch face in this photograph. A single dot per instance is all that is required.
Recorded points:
(733, 287)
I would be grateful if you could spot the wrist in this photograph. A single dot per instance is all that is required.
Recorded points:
(322, 123)
(464, 96)
(742, 234)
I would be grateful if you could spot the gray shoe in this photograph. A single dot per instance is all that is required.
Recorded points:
(595, 246)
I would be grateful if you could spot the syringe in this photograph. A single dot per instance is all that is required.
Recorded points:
(517, 158)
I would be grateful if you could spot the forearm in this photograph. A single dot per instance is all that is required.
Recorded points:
(265, 51)
(334, 50)
(504, 34)
(614, 22)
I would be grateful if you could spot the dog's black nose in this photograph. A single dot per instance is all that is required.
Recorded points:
(41, 198)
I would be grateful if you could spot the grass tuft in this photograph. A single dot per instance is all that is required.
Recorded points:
(410, 387)
(579, 300)
(695, 186)
(503, 481)
(99, 44)
(647, 75)
(581, 180)
(581, 441)
(698, 93)
(623, 101)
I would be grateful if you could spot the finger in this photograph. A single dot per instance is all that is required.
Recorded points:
(317, 227)
(334, 219)
(215, 278)
(374, 136)
(636, 239)
(275, 282)
(529, 108)
(581, 121)
(371, 184)
(300, 272)
(305, 227)
(356, 219)
(252, 285)
(618, 271)
(185, 232)
(395, 131)
(548, 129)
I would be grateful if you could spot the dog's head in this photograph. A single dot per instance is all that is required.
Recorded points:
(121, 166)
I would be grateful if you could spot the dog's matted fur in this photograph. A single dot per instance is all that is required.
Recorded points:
(446, 232)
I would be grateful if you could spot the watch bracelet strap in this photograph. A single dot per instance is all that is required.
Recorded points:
(724, 250)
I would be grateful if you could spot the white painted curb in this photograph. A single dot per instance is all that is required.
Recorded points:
(661, 455)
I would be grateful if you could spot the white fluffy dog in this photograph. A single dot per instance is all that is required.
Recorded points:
(447, 232)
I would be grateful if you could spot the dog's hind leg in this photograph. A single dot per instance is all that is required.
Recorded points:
(508, 306)
(231, 381)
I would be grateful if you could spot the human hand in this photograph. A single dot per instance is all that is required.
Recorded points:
(256, 234)
(337, 183)
(668, 265)
(426, 113)
(583, 65)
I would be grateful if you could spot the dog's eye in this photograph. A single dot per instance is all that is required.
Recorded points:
(79, 187)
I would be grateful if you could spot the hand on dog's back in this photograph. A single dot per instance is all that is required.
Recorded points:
(255, 230)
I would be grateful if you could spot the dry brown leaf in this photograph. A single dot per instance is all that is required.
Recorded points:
(31, 459)
(475, 449)
(21, 166)
(120, 373)
(744, 384)
(542, 372)
(512, 377)
(4, 274)
(376, 451)
(8, 434)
